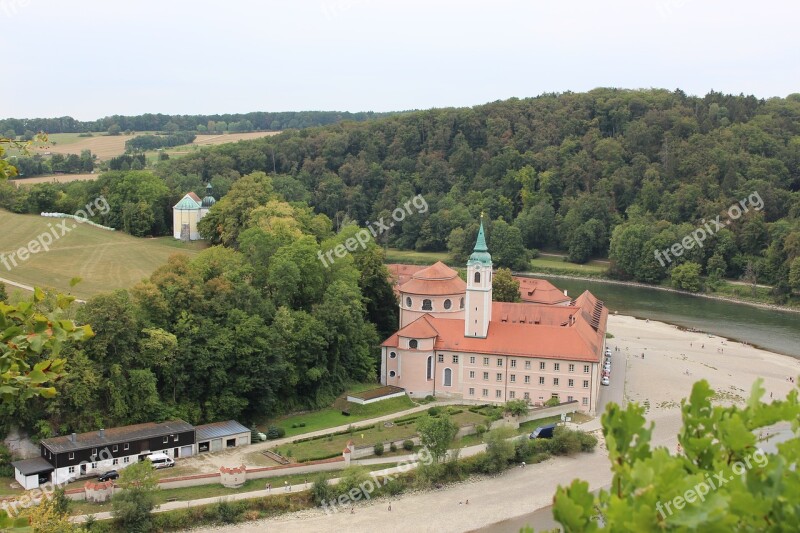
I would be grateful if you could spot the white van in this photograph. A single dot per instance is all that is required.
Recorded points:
(161, 460)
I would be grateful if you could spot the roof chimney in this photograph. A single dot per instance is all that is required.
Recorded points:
(73, 437)
(102, 433)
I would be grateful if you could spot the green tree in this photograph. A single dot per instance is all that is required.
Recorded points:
(504, 287)
(653, 490)
(436, 434)
(506, 246)
(517, 407)
(499, 448)
(131, 508)
(687, 277)
(114, 129)
(794, 274)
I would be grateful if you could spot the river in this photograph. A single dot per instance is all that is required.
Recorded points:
(770, 329)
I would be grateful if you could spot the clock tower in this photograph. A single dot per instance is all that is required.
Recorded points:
(479, 289)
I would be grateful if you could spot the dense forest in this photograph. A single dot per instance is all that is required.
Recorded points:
(159, 122)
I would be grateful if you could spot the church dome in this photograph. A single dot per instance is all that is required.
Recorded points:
(209, 200)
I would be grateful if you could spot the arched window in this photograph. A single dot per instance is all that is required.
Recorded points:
(426, 305)
(448, 377)
(392, 373)
(408, 302)
(448, 304)
(392, 355)
(477, 277)
(413, 344)
(429, 374)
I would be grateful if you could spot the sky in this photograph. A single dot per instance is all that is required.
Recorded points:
(94, 58)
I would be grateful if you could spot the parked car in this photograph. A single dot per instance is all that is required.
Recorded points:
(543, 432)
(605, 381)
(106, 476)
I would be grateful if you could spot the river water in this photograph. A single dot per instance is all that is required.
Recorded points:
(773, 330)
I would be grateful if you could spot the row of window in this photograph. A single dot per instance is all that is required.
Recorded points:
(427, 304)
(513, 379)
(498, 393)
(513, 363)
(114, 462)
(115, 448)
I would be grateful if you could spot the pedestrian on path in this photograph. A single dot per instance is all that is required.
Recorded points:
(390, 507)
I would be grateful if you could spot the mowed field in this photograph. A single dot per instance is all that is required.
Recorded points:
(59, 178)
(105, 260)
(106, 147)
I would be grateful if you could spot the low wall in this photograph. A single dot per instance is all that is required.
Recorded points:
(369, 451)
(373, 400)
(545, 412)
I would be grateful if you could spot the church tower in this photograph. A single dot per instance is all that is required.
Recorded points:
(479, 289)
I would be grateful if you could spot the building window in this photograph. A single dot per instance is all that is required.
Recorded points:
(392, 355)
(569, 398)
(448, 304)
(115, 448)
(485, 392)
(455, 359)
(448, 377)
(72, 456)
(499, 376)
(527, 365)
(440, 358)
(115, 461)
(512, 394)
(392, 373)
(555, 381)
(429, 374)
(572, 368)
(413, 344)
(555, 395)
(570, 383)
(485, 361)
(166, 440)
(541, 380)
(127, 446)
(472, 360)
(527, 379)
(499, 362)
(94, 465)
(408, 302)
(472, 374)
(126, 460)
(477, 277)
(586, 369)
(472, 391)
(426, 305)
(513, 363)
(513, 378)
(585, 383)
(541, 365)
(585, 401)
(556, 366)
(462, 303)
(71, 470)
(486, 376)
(498, 393)
(527, 396)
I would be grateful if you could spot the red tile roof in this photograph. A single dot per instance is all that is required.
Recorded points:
(540, 291)
(435, 280)
(194, 197)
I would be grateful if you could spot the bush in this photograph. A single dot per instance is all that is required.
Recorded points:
(378, 449)
(393, 447)
(429, 398)
(587, 440)
(517, 407)
(480, 429)
(434, 411)
(275, 432)
(229, 512)
(321, 490)
(565, 442)
(552, 402)
(408, 445)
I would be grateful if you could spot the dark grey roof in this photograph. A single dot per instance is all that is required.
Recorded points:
(219, 429)
(119, 435)
(37, 465)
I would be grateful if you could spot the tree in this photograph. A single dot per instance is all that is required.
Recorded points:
(499, 448)
(687, 277)
(114, 129)
(517, 407)
(794, 274)
(506, 246)
(653, 490)
(3, 293)
(52, 515)
(504, 287)
(131, 508)
(33, 339)
(436, 434)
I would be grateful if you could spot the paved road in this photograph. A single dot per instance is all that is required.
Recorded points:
(615, 392)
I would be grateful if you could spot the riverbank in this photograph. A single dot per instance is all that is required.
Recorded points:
(673, 361)
(762, 305)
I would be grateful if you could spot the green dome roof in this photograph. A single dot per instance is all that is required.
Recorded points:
(209, 200)
(187, 204)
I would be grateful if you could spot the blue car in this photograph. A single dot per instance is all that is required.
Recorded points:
(543, 432)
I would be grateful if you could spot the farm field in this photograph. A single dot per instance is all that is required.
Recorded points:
(105, 260)
(59, 178)
(106, 147)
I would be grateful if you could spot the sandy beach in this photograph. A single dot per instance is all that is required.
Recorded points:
(673, 360)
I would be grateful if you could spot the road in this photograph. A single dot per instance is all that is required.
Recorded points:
(615, 391)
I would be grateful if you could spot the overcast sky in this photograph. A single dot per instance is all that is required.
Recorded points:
(92, 58)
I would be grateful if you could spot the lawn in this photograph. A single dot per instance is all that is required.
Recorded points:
(332, 417)
(104, 260)
(546, 262)
(410, 257)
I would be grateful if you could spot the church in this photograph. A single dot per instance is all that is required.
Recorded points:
(188, 212)
(455, 342)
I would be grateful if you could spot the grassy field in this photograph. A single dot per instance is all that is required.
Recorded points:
(105, 260)
(410, 257)
(60, 178)
(549, 263)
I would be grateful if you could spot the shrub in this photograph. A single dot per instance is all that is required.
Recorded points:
(228, 512)
(408, 445)
(429, 398)
(552, 402)
(352, 478)
(434, 411)
(517, 407)
(393, 447)
(587, 440)
(321, 490)
(480, 429)
(378, 449)
(275, 432)
(564, 442)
